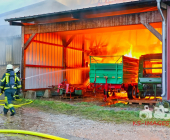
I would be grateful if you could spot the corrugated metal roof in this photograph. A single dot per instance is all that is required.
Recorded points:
(97, 8)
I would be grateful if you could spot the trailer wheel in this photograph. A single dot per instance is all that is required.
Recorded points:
(134, 92)
(129, 91)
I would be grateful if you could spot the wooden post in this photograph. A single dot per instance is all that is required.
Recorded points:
(22, 59)
(83, 60)
(66, 44)
(64, 56)
(83, 43)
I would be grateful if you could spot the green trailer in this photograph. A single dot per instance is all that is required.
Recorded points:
(114, 73)
(150, 73)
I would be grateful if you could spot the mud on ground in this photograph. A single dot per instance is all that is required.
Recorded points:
(76, 128)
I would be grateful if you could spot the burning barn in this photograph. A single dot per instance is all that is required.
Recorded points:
(57, 46)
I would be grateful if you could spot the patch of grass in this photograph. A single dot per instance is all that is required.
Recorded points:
(85, 103)
(119, 105)
(91, 112)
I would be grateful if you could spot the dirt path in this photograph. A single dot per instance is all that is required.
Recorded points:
(76, 128)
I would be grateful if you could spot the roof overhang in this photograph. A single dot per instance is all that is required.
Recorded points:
(88, 13)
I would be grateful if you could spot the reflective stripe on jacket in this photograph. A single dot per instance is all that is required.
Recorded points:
(5, 82)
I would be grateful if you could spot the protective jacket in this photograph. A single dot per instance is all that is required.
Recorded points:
(18, 74)
(10, 88)
(5, 82)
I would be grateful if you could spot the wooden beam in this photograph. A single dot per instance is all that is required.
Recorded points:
(83, 47)
(42, 66)
(83, 58)
(70, 40)
(75, 49)
(152, 30)
(64, 56)
(16, 23)
(78, 15)
(29, 41)
(65, 44)
(111, 21)
(20, 23)
(57, 45)
(103, 12)
(47, 43)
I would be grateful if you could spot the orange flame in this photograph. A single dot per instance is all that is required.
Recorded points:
(122, 94)
(130, 52)
(152, 97)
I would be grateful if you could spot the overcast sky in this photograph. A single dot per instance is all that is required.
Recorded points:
(8, 5)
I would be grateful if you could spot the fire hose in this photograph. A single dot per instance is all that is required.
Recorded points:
(31, 133)
(19, 105)
(28, 132)
(30, 101)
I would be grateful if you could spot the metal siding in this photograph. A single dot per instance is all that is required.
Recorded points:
(42, 77)
(8, 53)
(50, 55)
(74, 57)
(74, 60)
(10, 50)
(2, 52)
(44, 55)
(168, 52)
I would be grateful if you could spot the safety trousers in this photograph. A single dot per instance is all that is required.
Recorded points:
(16, 95)
(9, 97)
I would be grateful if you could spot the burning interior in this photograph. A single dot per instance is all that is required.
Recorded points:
(45, 64)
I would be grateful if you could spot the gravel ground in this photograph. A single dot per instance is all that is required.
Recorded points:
(76, 128)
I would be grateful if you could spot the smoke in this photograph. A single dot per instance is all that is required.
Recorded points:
(20, 8)
(77, 4)
(10, 36)
(9, 5)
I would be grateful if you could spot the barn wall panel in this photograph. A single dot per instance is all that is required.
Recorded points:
(43, 61)
(74, 73)
(37, 78)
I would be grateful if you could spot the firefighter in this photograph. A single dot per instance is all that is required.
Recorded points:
(17, 71)
(10, 83)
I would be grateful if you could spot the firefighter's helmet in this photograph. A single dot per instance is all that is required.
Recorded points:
(9, 66)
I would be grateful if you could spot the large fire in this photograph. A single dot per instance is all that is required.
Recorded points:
(130, 52)
(131, 43)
